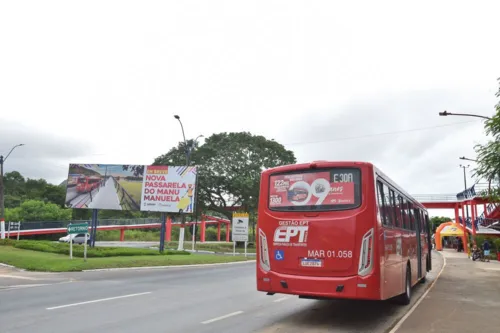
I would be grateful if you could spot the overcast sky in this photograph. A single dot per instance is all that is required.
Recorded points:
(100, 81)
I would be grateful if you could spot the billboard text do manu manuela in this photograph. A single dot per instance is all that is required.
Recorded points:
(131, 187)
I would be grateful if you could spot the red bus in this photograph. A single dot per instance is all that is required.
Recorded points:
(339, 230)
(87, 184)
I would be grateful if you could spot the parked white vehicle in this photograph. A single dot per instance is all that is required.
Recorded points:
(76, 238)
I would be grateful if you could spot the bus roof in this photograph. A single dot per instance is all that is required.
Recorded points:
(329, 164)
(314, 165)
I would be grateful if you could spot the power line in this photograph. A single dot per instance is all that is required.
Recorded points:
(377, 134)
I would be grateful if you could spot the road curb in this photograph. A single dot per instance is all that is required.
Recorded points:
(400, 322)
(8, 266)
(164, 267)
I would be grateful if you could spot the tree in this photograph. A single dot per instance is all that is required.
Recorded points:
(488, 155)
(36, 210)
(18, 189)
(137, 170)
(437, 220)
(14, 187)
(229, 168)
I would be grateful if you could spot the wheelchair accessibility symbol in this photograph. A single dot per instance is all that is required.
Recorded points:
(279, 254)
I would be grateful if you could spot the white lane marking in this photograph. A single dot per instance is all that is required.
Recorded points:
(26, 286)
(398, 325)
(97, 300)
(18, 277)
(222, 317)
(281, 299)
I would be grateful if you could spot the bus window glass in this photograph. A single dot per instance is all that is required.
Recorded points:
(380, 200)
(411, 217)
(315, 190)
(399, 211)
(388, 207)
(394, 209)
(416, 214)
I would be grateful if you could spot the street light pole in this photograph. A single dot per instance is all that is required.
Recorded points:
(184, 136)
(2, 201)
(446, 113)
(188, 151)
(465, 186)
(467, 159)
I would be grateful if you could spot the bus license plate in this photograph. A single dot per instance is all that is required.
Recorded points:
(311, 263)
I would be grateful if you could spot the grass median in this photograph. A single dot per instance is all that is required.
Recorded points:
(47, 261)
(213, 246)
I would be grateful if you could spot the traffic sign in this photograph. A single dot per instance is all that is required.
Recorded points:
(240, 227)
(80, 228)
(14, 226)
(240, 230)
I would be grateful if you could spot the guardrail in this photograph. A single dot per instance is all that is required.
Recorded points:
(103, 222)
(122, 227)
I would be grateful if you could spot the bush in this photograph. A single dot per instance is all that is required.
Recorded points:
(496, 244)
(151, 235)
(6, 241)
(97, 252)
(211, 233)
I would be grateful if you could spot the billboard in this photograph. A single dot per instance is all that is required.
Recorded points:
(131, 187)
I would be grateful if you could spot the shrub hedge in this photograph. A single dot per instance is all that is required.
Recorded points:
(96, 252)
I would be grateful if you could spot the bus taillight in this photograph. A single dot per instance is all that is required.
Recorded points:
(366, 254)
(264, 252)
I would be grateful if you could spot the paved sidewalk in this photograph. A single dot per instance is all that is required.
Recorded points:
(465, 298)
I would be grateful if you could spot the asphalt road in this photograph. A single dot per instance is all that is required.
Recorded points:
(188, 300)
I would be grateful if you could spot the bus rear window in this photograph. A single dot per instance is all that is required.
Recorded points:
(315, 190)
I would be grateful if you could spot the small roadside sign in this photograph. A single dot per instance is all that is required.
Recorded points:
(14, 226)
(79, 228)
(240, 230)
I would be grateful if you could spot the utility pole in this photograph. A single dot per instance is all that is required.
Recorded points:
(465, 185)
(2, 200)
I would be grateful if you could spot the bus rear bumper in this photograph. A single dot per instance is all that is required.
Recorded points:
(353, 287)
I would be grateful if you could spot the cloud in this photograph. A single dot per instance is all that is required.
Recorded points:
(44, 154)
(401, 133)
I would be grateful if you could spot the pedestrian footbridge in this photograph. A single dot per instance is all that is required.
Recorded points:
(466, 205)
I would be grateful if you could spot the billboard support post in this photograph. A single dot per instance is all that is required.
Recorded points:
(195, 212)
(163, 217)
(193, 236)
(93, 229)
(180, 247)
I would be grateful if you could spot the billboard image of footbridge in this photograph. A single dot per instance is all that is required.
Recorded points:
(131, 187)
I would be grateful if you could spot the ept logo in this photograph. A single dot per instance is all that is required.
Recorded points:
(287, 234)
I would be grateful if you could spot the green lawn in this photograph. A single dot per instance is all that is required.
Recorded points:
(133, 189)
(50, 262)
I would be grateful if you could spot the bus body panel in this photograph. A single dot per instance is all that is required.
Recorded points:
(348, 253)
(402, 246)
(390, 242)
